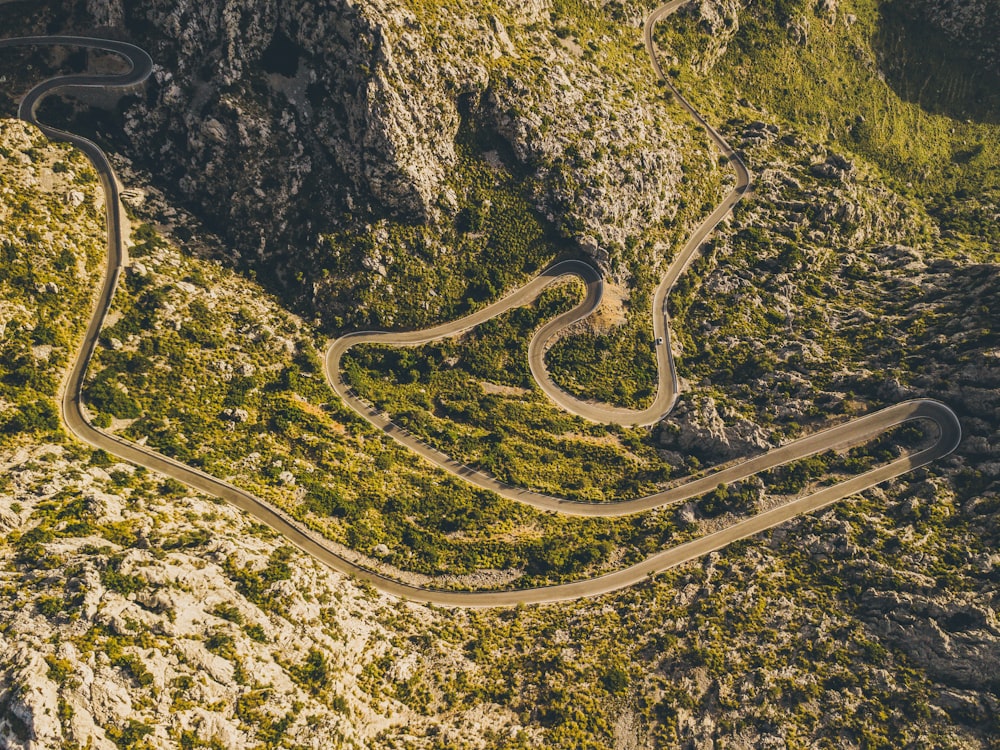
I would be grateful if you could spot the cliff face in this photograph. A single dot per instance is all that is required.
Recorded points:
(256, 104)
(278, 122)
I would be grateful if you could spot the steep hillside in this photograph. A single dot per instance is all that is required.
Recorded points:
(862, 271)
(305, 125)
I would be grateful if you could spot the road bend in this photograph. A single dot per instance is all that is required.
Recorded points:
(842, 435)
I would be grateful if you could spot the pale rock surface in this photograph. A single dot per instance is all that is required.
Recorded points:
(696, 426)
(31, 701)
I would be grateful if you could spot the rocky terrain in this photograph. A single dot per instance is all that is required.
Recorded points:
(133, 614)
(137, 615)
(159, 617)
(278, 123)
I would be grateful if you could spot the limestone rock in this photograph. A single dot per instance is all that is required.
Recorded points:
(974, 24)
(696, 427)
(31, 703)
(953, 638)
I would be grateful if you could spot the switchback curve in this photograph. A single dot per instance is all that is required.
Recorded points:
(949, 430)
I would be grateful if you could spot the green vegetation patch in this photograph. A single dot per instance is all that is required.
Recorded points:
(494, 242)
(617, 364)
(253, 407)
(827, 75)
(474, 399)
(51, 244)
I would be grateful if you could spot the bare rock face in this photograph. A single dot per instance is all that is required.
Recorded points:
(954, 640)
(599, 197)
(254, 103)
(696, 427)
(187, 651)
(29, 703)
(720, 19)
(836, 167)
(278, 123)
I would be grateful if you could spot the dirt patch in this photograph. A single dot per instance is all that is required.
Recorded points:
(120, 424)
(517, 535)
(612, 440)
(111, 319)
(612, 311)
(317, 411)
(503, 390)
(595, 439)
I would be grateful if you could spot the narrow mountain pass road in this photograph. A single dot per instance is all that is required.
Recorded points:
(667, 384)
(850, 433)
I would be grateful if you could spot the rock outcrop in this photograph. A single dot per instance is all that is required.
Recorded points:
(695, 427)
(255, 106)
(277, 123)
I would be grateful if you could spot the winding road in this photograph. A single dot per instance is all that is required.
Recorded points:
(667, 384)
(842, 435)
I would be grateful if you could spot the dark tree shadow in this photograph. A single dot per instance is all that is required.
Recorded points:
(923, 64)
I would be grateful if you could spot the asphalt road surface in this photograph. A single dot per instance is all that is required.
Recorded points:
(842, 435)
